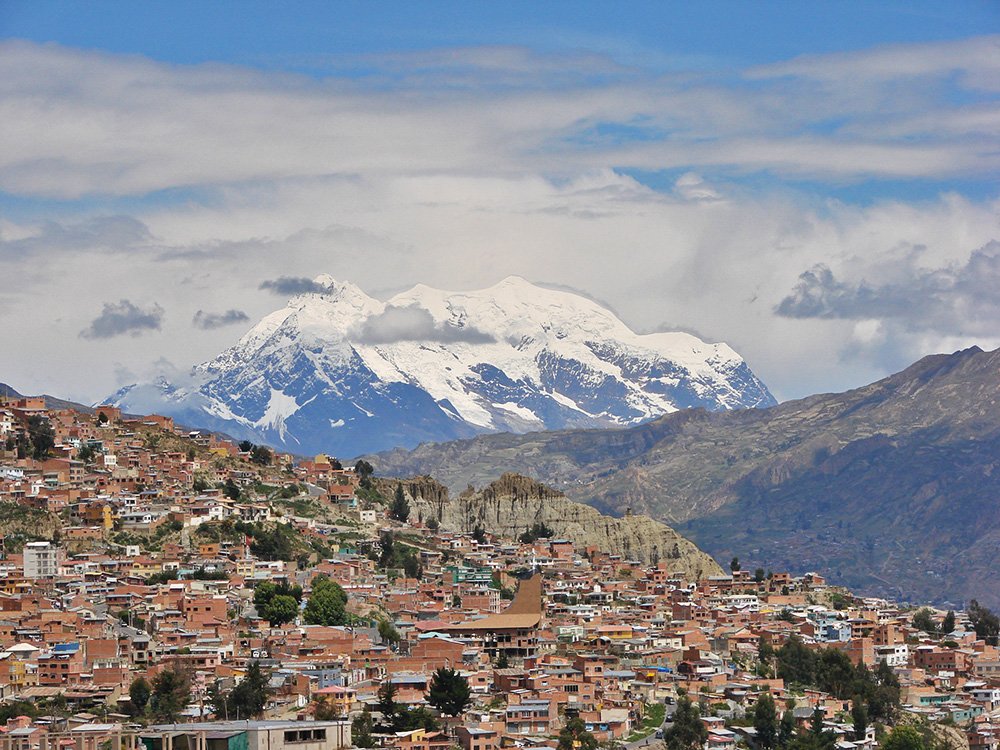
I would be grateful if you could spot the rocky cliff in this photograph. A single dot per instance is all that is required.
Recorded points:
(512, 504)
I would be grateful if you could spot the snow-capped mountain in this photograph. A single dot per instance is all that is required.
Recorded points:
(343, 373)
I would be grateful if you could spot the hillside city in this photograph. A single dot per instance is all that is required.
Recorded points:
(176, 589)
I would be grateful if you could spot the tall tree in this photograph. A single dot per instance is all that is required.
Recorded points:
(796, 663)
(388, 633)
(449, 692)
(688, 732)
(765, 722)
(248, 699)
(139, 693)
(387, 707)
(816, 722)
(400, 509)
(42, 436)
(984, 622)
(948, 624)
(171, 694)
(923, 619)
(859, 717)
(361, 729)
(786, 730)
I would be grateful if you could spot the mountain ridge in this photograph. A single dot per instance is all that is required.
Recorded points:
(340, 372)
(880, 484)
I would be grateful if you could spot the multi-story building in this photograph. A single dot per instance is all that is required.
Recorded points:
(41, 560)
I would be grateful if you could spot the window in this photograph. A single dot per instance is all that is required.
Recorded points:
(305, 735)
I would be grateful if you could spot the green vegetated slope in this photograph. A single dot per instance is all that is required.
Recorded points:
(893, 488)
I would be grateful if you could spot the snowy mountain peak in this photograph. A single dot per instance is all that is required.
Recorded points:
(342, 372)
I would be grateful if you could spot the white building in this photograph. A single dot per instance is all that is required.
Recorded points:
(41, 560)
(895, 655)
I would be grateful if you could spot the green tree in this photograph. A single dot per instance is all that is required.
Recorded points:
(41, 435)
(400, 508)
(280, 609)
(734, 564)
(364, 469)
(688, 732)
(786, 729)
(816, 722)
(387, 707)
(273, 543)
(327, 603)
(796, 663)
(266, 591)
(984, 622)
(387, 632)
(479, 534)
(261, 455)
(13, 709)
(574, 736)
(758, 575)
(231, 489)
(170, 695)
(835, 673)
(948, 624)
(765, 655)
(361, 729)
(412, 567)
(449, 692)
(139, 693)
(324, 710)
(102, 418)
(883, 694)
(859, 717)
(248, 699)
(245, 446)
(904, 737)
(537, 531)
(923, 620)
(765, 722)
(418, 717)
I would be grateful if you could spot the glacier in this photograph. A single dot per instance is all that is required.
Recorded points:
(342, 373)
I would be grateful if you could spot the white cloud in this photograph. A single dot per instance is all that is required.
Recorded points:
(416, 174)
(413, 323)
(80, 123)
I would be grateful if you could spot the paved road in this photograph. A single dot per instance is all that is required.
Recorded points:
(652, 736)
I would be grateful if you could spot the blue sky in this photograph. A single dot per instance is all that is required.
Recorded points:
(661, 34)
(754, 172)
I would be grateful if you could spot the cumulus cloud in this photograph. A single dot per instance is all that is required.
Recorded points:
(289, 285)
(123, 317)
(957, 298)
(414, 323)
(208, 321)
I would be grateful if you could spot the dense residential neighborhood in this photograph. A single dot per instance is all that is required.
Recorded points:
(180, 590)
